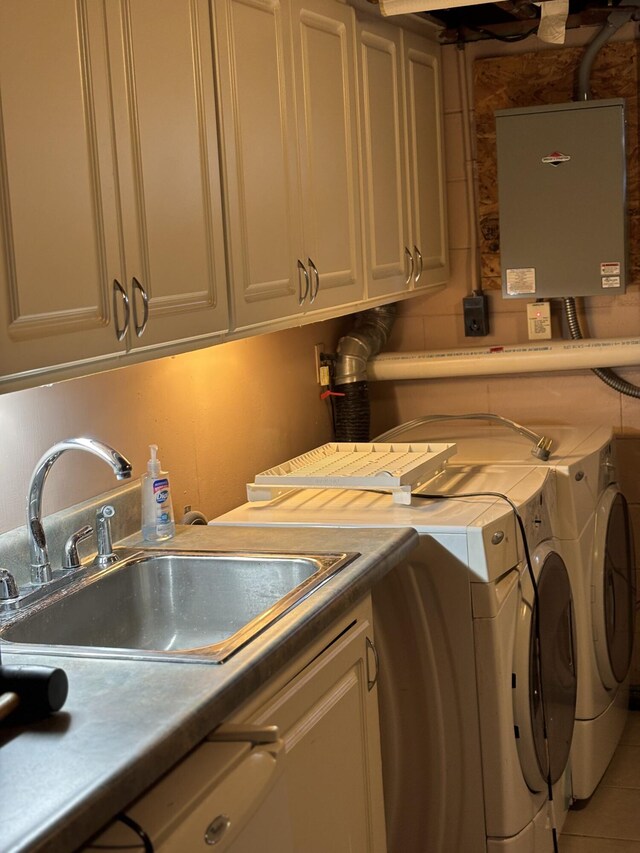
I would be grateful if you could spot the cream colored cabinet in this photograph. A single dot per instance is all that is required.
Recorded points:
(425, 149)
(59, 227)
(286, 74)
(327, 716)
(404, 189)
(326, 101)
(166, 134)
(110, 208)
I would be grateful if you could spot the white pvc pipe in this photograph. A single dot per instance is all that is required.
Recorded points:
(492, 361)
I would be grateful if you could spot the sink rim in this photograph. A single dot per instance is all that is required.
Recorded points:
(329, 564)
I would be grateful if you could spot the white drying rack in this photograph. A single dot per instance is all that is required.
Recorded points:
(394, 468)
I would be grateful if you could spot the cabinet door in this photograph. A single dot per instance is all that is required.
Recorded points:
(388, 250)
(328, 720)
(59, 241)
(164, 104)
(323, 34)
(259, 148)
(426, 159)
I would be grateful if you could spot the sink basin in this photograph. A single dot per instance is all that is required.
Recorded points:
(172, 605)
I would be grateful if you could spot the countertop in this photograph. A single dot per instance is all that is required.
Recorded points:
(126, 722)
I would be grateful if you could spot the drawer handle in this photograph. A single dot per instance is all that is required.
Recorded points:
(245, 732)
(217, 829)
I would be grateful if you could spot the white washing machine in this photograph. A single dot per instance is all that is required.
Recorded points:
(460, 686)
(592, 524)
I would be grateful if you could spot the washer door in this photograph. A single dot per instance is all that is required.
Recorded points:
(613, 588)
(545, 669)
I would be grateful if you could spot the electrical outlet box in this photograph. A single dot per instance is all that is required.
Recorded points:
(562, 199)
(317, 355)
(476, 315)
(539, 321)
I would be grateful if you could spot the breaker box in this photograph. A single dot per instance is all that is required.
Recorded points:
(562, 199)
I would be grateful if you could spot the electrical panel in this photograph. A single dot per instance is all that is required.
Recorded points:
(562, 199)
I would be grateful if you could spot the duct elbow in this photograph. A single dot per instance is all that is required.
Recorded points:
(370, 334)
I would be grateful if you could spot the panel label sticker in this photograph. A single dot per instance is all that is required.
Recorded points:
(612, 268)
(522, 280)
(611, 281)
(555, 158)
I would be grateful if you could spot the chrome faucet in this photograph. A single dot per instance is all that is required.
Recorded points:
(40, 566)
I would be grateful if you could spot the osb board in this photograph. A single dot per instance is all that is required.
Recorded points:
(549, 77)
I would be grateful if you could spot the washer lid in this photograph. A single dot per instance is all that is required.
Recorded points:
(544, 670)
(613, 584)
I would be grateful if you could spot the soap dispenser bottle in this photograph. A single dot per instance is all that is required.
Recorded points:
(157, 510)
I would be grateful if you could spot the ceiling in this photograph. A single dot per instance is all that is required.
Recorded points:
(510, 20)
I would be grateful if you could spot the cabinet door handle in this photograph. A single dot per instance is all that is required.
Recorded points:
(316, 275)
(145, 307)
(371, 682)
(118, 290)
(419, 257)
(410, 256)
(302, 296)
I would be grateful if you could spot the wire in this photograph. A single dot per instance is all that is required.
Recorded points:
(506, 38)
(135, 826)
(536, 611)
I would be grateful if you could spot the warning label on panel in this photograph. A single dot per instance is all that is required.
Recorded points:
(610, 268)
(611, 281)
(522, 280)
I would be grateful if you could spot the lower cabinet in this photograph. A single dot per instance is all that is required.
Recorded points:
(327, 716)
(296, 770)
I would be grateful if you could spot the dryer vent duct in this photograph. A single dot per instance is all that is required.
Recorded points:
(370, 334)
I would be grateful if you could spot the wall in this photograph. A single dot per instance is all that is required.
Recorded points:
(435, 321)
(219, 416)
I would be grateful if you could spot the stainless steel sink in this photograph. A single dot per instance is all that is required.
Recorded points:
(172, 605)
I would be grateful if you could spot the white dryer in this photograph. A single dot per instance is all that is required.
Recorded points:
(460, 684)
(592, 524)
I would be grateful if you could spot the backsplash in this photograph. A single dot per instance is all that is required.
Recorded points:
(218, 415)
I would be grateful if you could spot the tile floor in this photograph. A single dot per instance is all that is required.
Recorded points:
(609, 822)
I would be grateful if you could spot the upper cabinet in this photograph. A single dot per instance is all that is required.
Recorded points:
(287, 80)
(166, 134)
(402, 150)
(174, 173)
(425, 149)
(59, 226)
(110, 210)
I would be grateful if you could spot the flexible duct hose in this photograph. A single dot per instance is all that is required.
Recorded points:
(352, 410)
(607, 375)
(352, 413)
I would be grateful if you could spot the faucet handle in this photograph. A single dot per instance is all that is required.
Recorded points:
(8, 586)
(71, 560)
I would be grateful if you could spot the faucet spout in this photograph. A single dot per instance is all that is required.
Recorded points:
(40, 566)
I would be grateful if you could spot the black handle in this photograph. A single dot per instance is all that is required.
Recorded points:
(41, 690)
